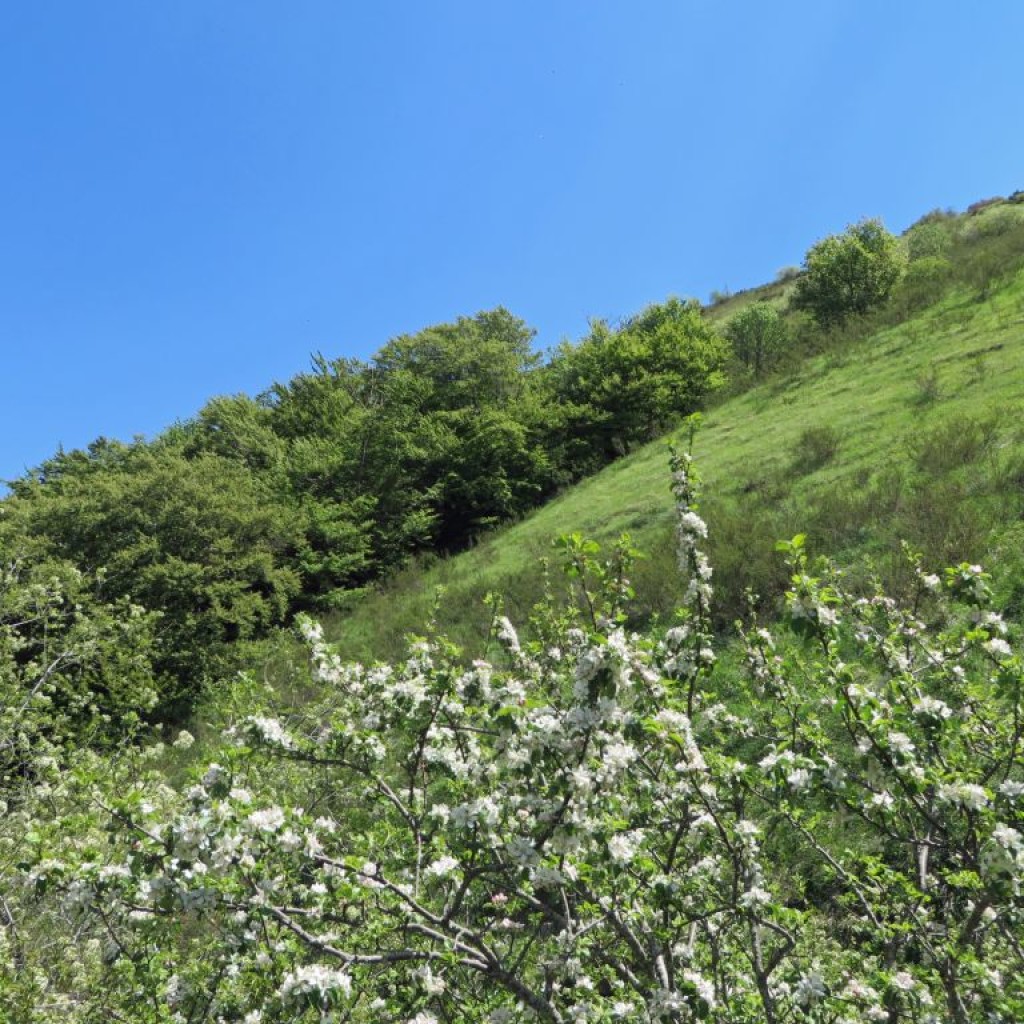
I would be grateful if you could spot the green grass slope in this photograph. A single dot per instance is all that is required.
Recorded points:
(914, 433)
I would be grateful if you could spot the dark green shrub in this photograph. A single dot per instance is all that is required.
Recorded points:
(815, 447)
(953, 444)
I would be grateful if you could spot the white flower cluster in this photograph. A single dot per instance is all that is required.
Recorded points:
(929, 707)
(1002, 857)
(690, 531)
(967, 795)
(623, 847)
(314, 981)
(442, 867)
(270, 731)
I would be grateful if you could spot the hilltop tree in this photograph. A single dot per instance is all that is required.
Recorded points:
(469, 364)
(849, 274)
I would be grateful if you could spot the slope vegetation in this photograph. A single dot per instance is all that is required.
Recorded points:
(913, 433)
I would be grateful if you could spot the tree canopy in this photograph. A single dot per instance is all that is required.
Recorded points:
(758, 335)
(303, 496)
(851, 273)
(620, 386)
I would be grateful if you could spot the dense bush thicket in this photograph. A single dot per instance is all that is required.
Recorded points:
(298, 498)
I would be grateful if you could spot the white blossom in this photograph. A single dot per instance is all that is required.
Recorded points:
(705, 989)
(810, 988)
(268, 820)
(314, 980)
(442, 867)
(755, 896)
(901, 743)
(184, 740)
(623, 847)
(964, 794)
(433, 984)
(903, 980)
(998, 647)
(932, 707)
(691, 523)
(271, 731)
(214, 775)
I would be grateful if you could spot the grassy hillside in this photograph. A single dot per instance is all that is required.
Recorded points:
(914, 433)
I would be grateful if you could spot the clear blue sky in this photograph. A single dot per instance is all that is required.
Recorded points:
(196, 195)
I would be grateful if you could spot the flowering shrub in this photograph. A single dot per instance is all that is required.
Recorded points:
(594, 827)
(73, 668)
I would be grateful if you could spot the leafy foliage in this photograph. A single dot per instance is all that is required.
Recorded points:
(75, 667)
(850, 274)
(195, 539)
(303, 497)
(758, 334)
(620, 387)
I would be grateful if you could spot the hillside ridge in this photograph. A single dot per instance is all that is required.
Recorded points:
(836, 422)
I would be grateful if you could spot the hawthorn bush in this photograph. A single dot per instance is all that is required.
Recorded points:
(591, 826)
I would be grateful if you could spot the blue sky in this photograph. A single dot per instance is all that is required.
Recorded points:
(195, 196)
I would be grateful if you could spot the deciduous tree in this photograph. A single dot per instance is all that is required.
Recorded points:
(758, 334)
(849, 274)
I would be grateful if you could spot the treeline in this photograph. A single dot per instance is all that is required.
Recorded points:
(226, 524)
